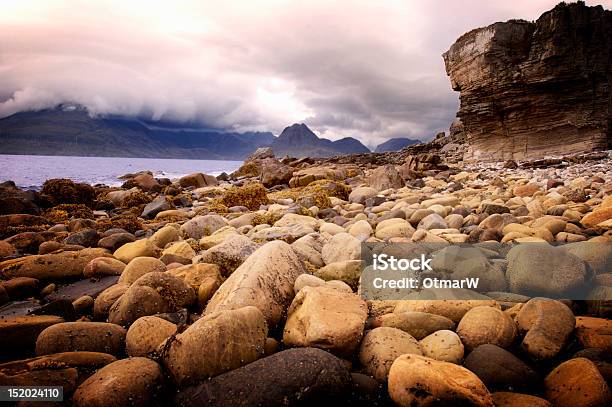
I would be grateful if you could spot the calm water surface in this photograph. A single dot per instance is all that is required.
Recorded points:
(30, 171)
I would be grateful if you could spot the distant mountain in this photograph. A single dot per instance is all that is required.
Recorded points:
(299, 141)
(70, 130)
(395, 144)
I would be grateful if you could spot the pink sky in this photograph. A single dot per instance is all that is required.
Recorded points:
(367, 69)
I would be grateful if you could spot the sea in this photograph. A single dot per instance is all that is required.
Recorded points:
(31, 171)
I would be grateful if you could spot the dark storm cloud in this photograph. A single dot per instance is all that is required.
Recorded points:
(370, 70)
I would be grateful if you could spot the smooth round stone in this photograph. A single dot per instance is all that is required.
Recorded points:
(500, 369)
(546, 325)
(103, 266)
(443, 345)
(146, 334)
(301, 376)
(482, 325)
(128, 382)
(577, 382)
(81, 336)
(140, 266)
(416, 381)
(381, 346)
(544, 270)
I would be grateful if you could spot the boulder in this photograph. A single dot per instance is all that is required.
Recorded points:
(103, 266)
(341, 247)
(326, 318)
(486, 325)
(197, 180)
(308, 280)
(304, 376)
(381, 346)
(594, 333)
(153, 293)
(273, 172)
(104, 301)
(223, 341)
(543, 270)
(260, 154)
(229, 254)
(547, 325)
(218, 237)
(420, 381)
(204, 278)
(138, 267)
(139, 248)
(201, 226)
(501, 370)
(385, 177)
(577, 382)
(596, 217)
(360, 194)
(360, 229)
(394, 228)
(180, 249)
(597, 255)
(146, 334)
(81, 336)
(86, 237)
(157, 205)
(265, 280)
(348, 271)
(51, 266)
(308, 248)
(165, 235)
(134, 382)
(115, 241)
(432, 221)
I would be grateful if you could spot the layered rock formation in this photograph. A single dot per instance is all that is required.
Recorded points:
(530, 89)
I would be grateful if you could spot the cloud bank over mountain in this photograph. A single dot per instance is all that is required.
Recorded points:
(370, 70)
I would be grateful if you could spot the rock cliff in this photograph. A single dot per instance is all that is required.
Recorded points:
(531, 89)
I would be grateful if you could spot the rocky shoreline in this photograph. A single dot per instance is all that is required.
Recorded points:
(244, 289)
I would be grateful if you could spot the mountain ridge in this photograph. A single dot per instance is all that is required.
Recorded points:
(395, 144)
(299, 141)
(73, 132)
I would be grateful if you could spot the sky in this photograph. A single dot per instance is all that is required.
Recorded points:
(372, 70)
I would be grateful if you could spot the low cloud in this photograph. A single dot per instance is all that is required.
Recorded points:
(371, 70)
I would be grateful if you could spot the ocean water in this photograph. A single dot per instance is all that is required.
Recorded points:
(30, 171)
